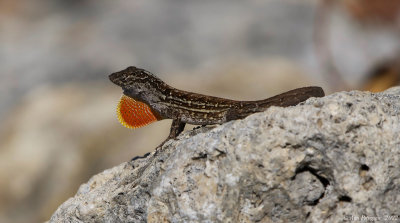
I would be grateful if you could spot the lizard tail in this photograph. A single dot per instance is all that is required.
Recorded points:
(289, 98)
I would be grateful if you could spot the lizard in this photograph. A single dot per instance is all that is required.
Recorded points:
(147, 99)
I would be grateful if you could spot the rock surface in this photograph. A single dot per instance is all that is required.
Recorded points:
(330, 159)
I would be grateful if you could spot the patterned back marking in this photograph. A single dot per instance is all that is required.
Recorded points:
(134, 114)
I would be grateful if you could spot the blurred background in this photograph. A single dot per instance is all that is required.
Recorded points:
(57, 106)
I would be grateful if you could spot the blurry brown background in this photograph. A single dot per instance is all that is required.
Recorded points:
(57, 106)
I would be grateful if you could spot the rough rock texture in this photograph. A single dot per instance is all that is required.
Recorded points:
(330, 159)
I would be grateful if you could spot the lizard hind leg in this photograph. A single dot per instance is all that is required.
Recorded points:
(134, 114)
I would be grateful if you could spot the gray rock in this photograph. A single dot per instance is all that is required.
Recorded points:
(330, 159)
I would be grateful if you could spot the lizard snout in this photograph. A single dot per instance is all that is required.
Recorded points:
(117, 78)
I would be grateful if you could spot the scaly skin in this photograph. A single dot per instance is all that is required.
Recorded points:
(184, 107)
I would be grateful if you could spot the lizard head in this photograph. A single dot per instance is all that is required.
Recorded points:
(137, 83)
(130, 76)
(134, 108)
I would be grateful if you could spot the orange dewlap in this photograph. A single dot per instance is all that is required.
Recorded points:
(134, 114)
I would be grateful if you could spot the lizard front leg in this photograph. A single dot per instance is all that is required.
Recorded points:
(176, 128)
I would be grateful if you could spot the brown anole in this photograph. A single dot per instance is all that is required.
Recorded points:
(146, 99)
